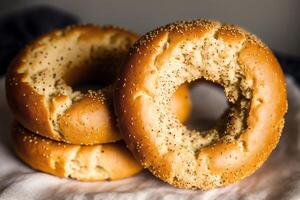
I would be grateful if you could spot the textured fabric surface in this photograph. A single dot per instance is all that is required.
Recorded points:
(278, 178)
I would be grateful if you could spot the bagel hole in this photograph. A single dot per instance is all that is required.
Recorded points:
(84, 86)
(209, 103)
(93, 77)
(98, 71)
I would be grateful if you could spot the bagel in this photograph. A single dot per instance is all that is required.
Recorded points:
(85, 163)
(40, 81)
(226, 55)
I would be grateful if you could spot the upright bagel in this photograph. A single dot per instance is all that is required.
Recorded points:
(40, 79)
(225, 54)
(85, 163)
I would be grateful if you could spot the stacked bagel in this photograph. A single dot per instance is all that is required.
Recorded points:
(72, 133)
(61, 128)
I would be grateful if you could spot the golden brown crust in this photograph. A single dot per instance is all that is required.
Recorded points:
(85, 163)
(39, 79)
(186, 51)
(85, 113)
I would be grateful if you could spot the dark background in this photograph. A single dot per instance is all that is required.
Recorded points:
(277, 22)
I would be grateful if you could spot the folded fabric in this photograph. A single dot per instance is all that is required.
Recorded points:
(18, 28)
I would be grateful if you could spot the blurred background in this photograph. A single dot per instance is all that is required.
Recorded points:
(277, 22)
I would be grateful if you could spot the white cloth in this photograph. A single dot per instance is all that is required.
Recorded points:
(278, 178)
